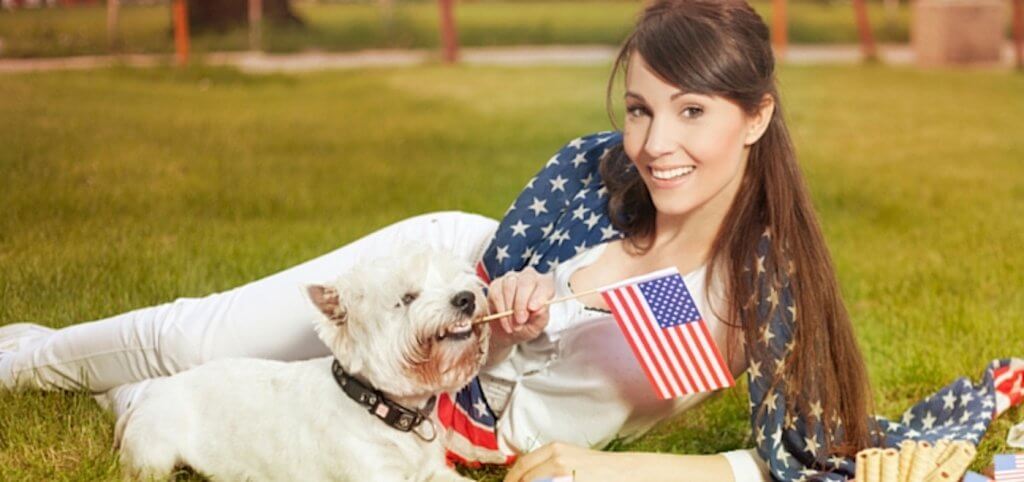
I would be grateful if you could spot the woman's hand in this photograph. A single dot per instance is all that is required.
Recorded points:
(524, 292)
(584, 465)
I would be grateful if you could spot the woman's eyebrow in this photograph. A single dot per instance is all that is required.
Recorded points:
(675, 95)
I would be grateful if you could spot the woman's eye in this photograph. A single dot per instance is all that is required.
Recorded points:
(636, 111)
(409, 298)
(692, 112)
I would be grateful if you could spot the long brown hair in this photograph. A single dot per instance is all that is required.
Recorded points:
(721, 48)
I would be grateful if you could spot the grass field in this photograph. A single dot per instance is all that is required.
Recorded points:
(127, 188)
(341, 27)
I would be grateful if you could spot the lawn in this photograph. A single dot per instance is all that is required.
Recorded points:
(352, 26)
(125, 188)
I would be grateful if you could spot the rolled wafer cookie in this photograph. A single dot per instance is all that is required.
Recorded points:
(874, 465)
(940, 475)
(890, 465)
(942, 456)
(906, 456)
(958, 461)
(862, 466)
(923, 462)
(940, 448)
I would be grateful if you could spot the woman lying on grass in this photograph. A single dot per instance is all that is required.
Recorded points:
(702, 177)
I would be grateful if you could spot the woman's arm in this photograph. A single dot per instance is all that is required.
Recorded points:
(586, 465)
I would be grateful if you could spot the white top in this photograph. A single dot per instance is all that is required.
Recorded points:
(579, 382)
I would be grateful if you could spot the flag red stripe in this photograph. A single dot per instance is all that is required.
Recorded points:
(711, 364)
(682, 373)
(646, 318)
(639, 318)
(612, 298)
(639, 337)
(481, 272)
(692, 384)
(694, 351)
(721, 367)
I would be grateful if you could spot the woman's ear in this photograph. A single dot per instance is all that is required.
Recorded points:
(758, 123)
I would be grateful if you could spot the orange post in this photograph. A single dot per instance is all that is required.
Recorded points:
(1018, 32)
(867, 39)
(180, 9)
(113, 29)
(780, 28)
(255, 24)
(449, 37)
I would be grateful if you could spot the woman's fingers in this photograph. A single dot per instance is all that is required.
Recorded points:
(525, 294)
(525, 288)
(526, 463)
(543, 291)
(544, 462)
(497, 299)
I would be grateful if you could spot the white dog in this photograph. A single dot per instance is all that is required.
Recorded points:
(401, 332)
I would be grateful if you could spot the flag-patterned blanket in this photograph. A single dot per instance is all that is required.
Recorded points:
(563, 210)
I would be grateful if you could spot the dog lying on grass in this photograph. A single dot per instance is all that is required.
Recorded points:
(401, 332)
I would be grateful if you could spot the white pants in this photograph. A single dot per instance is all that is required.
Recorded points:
(268, 318)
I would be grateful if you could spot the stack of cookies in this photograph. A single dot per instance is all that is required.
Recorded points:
(944, 461)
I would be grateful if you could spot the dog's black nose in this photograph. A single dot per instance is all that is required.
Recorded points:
(465, 301)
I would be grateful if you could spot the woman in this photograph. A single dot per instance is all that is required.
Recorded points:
(702, 177)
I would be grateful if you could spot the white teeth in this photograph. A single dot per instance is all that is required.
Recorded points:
(460, 328)
(672, 173)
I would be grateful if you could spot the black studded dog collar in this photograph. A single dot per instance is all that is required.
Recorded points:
(394, 415)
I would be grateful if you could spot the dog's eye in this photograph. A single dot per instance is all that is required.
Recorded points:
(409, 298)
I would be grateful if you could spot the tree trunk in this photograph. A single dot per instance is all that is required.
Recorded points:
(221, 15)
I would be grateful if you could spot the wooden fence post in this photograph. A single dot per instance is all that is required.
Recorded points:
(255, 25)
(1018, 32)
(867, 39)
(113, 30)
(181, 43)
(449, 37)
(780, 28)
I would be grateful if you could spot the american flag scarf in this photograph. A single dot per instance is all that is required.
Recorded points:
(563, 211)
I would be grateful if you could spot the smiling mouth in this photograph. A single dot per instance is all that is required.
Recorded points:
(670, 174)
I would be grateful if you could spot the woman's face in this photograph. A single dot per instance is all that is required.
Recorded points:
(690, 149)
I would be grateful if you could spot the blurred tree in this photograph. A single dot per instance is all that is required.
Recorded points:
(221, 15)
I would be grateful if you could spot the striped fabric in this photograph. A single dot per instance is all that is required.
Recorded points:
(469, 428)
(1009, 468)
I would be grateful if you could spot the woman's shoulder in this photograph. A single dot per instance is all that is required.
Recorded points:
(583, 148)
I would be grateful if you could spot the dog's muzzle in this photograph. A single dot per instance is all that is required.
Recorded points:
(465, 303)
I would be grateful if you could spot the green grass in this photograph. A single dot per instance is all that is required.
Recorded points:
(344, 27)
(126, 188)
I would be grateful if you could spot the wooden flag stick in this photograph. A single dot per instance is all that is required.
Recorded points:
(546, 303)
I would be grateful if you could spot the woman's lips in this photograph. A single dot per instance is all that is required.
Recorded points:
(667, 178)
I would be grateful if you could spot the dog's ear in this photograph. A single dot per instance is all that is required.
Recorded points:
(328, 301)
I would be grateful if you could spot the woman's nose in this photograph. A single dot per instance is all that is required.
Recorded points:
(660, 139)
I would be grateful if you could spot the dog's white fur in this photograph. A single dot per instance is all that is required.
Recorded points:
(248, 419)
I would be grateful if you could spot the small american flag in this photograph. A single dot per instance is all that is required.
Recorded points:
(660, 321)
(1009, 467)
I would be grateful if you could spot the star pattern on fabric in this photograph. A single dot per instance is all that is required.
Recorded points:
(960, 411)
(560, 211)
